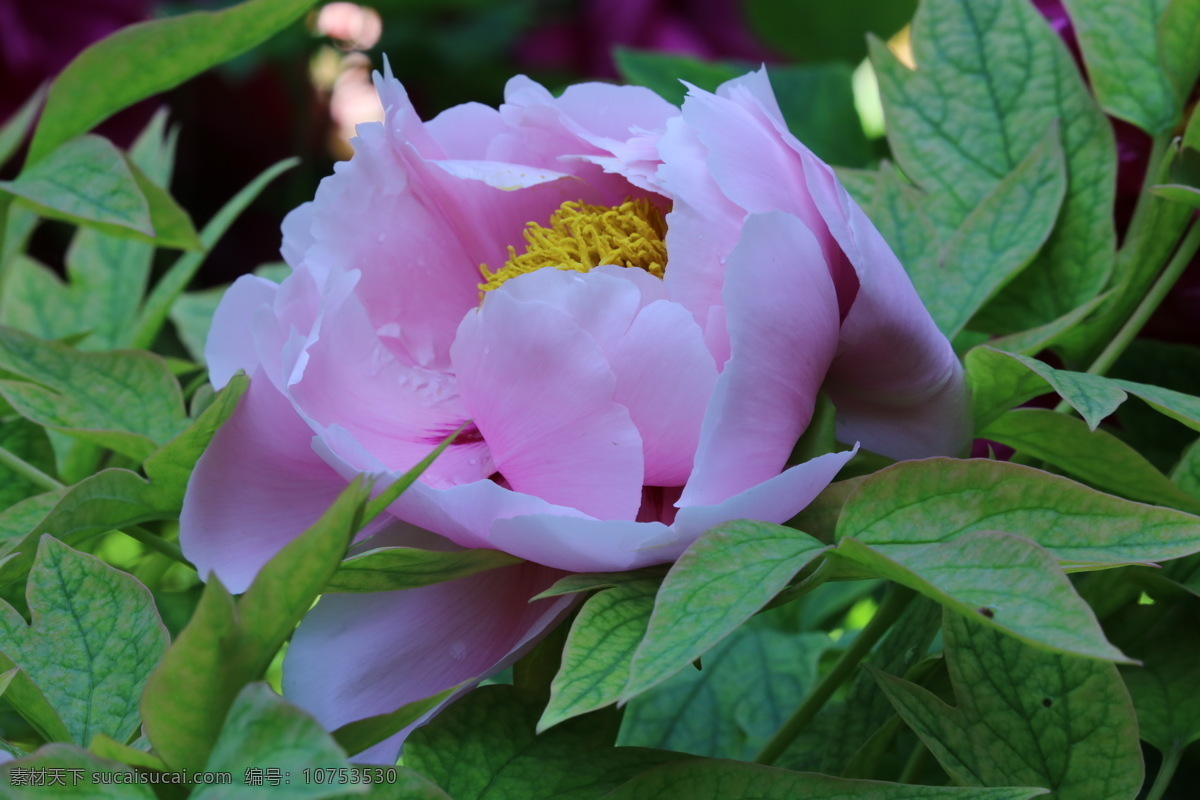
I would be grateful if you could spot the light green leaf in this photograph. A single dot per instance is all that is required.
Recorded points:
(393, 568)
(724, 578)
(1178, 31)
(94, 639)
(1184, 195)
(720, 780)
(227, 645)
(263, 730)
(1096, 457)
(126, 401)
(14, 130)
(192, 314)
(91, 784)
(354, 737)
(1026, 716)
(599, 651)
(171, 285)
(1120, 46)
(483, 747)
(145, 59)
(20, 518)
(106, 747)
(998, 238)
(898, 211)
(28, 442)
(1007, 581)
(748, 685)
(941, 499)
(28, 700)
(663, 72)
(1007, 77)
(587, 581)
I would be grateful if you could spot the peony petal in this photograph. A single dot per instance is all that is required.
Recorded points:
(586, 545)
(775, 500)
(540, 392)
(257, 486)
(783, 323)
(230, 344)
(358, 655)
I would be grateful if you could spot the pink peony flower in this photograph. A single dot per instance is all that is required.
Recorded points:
(665, 291)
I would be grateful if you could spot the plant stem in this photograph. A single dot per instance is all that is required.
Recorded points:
(28, 471)
(156, 542)
(897, 599)
(1166, 771)
(1150, 303)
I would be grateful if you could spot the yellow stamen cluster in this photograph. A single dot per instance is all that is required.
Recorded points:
(582, 236)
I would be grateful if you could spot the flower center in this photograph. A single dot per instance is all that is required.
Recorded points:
(581, 236)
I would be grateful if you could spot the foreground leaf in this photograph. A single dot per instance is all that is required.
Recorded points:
(393, 568)
(941, 499)
(720, 581)
(96, 777)
(1025, 716)
(483, 747)
(719, 780)
(95, 638)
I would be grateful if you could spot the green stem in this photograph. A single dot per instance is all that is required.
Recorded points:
(156, 542)
(5, 265)
(1166, 771)
(897, 599)
(28, 471)
(1150, 303)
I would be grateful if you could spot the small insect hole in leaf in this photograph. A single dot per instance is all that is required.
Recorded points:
(1047, 702)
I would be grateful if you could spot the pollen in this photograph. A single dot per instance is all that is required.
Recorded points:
(583, 236)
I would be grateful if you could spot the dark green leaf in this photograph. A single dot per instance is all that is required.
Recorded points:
(1026, 716)
(483, 747)
(90, 785)
(810, 30)
(30, 702)
(1163, 686)
(95, 638)
(587, 581)
(354, 737)
(719, 582)
(720, 780)
(1178, 31)
(145, 59)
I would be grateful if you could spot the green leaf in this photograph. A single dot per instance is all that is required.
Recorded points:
(1007, 77)
(354, 737)
(587, 581)
(720, 780)
(107, 747)
(227, 645)
(941, 499)
(94, 639)
(126, 401)
(1163, 686)
(663, 72)
(1007, 581)
(1184, 195)
(898, 211)
(810, 30)
(1035, 340)
(145, 59)
(28, 442)
(1025, 716)
(389, 569)
(1097, 457)
(483, 747)
(599, 651)
(171, 285)
(999, 238)
(1186, 474)
(15, 129)
(19, 519)
(30, 703)
(96, 779)
(1178, 31)
(264, 730)
(1120, 47)
(749, 684)
(719, 582)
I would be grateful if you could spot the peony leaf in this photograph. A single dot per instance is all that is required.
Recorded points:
(354, 737)
(811, 30)
(17, 127)
(1178, 31)
(718, 780)
(1096, 456)
(587, 581)
(599, 650)
(97, 777)
(28, 442)
(1186, 474)
(1176, 193)
(1163, 686)
(126, 401)
(228, 644)
(264, 730)
(724, 578)
(20, 692)
(388, 569)
(1120, 47)
(1007, 581)
(941, 499)
(748, 685)
(148, 58)
(483, 747)
(1025, 716)
(95, 637)
(1007, 77)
